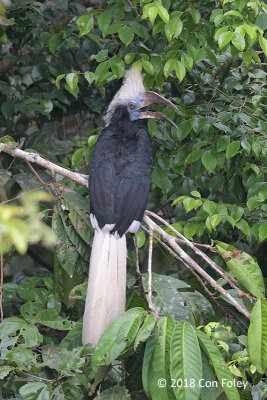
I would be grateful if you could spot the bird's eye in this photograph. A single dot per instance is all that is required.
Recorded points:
(131, 105)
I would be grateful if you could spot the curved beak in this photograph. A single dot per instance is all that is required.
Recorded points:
(152, 98)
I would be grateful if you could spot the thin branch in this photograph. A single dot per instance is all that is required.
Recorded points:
(200, 253)
(35, 158)
(39, 178)
(171, 241)
(149, 281)
(137, 266)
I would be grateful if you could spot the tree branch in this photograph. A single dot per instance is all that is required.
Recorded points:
(172, 242)
(153, 227)
(54, 168)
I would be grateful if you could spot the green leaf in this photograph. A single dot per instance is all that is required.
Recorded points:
(247, 57)
(21, 356)
(178, 27)
(77, 157)
(221, 369)
(209, 160)
(59, 78)
(145, 330)
(160, 179)
(189, 204)
(186, 362)
(86, 23)
(170, 297)
(148, 67)
(115, 393)
(195, 15)
(184, 128)
(169, 30)
(141, 238)
(103, 21)
(194, 156)
(55, 42)
(163, 13)
(31, 391)
(187, 61)
(117, 337)
(224, 38)
(5, 370)
(140, 30)
(89, 76)
(232, 148)
(168, 67)
(239, 42)
(7, 109)
(47, 106)
(243, 226)
(152, 14)
(215, 220)
(190, 229)
(126, 35)
(72, 80)
(263, 44)
(159, 366)
(101, 72)
(262, 231)
(257, 335)
(117, 66)
(251, 32)
(209, 207)
(244, 268)
(179, 70)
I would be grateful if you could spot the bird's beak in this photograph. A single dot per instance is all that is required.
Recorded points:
(152, 98)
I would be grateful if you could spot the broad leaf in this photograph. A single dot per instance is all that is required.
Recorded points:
(257, 335)
(186, 362)
(244, 268)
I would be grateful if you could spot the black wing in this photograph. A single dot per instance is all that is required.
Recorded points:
(119, 179)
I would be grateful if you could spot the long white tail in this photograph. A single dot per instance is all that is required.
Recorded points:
(105, 299)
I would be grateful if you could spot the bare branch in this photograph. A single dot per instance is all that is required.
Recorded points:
(149, 281)
(200, 253)
(35, 158)
(176, 250)
(172, 242)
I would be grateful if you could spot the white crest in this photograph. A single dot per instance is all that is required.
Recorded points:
(131, 89)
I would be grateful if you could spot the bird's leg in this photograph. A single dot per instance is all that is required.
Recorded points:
(149, 282)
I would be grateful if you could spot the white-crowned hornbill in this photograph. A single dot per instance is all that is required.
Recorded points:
(119, 183)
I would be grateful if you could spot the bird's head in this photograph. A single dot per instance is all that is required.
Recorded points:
(133, 96)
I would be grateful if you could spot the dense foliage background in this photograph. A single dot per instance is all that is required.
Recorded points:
(61, 62)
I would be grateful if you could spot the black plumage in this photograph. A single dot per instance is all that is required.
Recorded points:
(119, 182)
(120, 170)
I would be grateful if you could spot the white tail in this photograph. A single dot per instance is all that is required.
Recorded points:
(105, 299)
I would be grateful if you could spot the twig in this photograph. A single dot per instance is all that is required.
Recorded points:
(54, 168)
(171, 241)
(136, 256)
(149, 281)
(1, 286)
(213, 265)
(39, 178)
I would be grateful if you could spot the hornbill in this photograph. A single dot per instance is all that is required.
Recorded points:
(119, 183)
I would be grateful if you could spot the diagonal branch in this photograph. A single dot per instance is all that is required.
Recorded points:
(54, 168)
(153, 227)
(172, 242)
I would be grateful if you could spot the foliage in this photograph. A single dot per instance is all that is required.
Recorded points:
(60, 64)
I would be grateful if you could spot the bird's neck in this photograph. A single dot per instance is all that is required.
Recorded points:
(123, 125)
